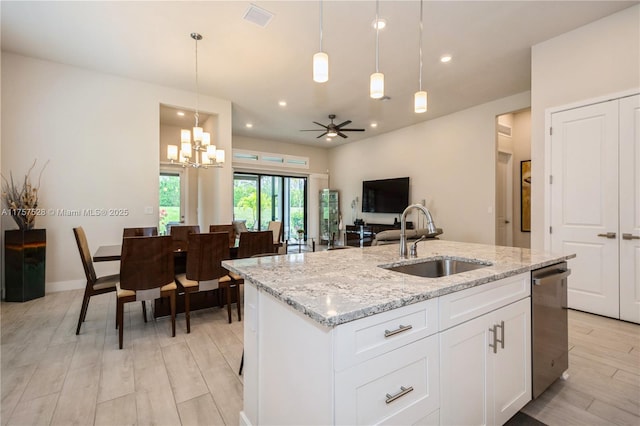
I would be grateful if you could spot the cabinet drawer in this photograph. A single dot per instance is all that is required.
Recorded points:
(456, 308)
(398, 387)
(360, 340)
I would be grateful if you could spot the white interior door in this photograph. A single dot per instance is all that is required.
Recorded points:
(584, 203)
(630, 208)
(504, 199)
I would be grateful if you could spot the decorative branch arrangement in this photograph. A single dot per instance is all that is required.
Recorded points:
(22, 200)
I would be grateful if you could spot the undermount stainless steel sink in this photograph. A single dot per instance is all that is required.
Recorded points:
(442, 267)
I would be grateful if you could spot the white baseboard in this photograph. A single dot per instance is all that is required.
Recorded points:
(53, 287)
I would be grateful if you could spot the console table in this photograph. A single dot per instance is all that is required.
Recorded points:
(363, 235)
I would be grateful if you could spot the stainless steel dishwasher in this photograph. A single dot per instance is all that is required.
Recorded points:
(549, 333)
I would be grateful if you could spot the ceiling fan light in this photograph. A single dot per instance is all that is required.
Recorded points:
(332, 133)
(420, 102)
(320, 67)
(376, 87)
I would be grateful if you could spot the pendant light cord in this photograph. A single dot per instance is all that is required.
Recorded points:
(321, 26)
(197, 82)
(377, 33)
(420, 44)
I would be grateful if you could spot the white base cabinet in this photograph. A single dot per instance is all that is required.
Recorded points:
(485, 362)
(393, 367)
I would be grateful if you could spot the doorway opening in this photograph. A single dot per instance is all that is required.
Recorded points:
(513, 146)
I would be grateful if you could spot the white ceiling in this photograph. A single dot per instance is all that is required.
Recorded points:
(256, 67)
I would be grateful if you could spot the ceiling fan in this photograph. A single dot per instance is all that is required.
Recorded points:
(332, 130)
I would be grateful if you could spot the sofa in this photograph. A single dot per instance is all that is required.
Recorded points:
(392, 236)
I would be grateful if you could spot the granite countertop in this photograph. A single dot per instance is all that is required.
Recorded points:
(338, 286)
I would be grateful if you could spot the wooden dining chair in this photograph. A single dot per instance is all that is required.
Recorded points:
(180, 235)
(95, 285)
(205, 271)
(148, 231)
(146, 273)
(225, 228)
(256, 242)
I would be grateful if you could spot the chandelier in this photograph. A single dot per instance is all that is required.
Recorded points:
(197, 152)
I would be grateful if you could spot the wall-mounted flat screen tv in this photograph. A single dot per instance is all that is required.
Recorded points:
(385, 195)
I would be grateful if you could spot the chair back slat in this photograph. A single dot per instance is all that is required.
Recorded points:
(225, 228)
(146, 262)
(148, 231)
(85, 255)
(206, 252)
(252, 243)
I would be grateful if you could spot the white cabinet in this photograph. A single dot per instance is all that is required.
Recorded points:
(485, 361)
(595, 204)
(423, 364)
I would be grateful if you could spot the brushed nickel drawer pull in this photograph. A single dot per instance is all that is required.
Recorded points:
(495, 339)
(400, 329)
(630, 237)
(501, 339)
(608, 235)
(403, 392)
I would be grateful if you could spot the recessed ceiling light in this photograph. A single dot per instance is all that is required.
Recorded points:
(381, 23)
(282, 103)
(445, 58)
(180, 113)
(374, 125)
(248, 125)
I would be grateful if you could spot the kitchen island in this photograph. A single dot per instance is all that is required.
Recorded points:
(337, 338)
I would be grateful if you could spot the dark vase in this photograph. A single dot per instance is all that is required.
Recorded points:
(24, 255)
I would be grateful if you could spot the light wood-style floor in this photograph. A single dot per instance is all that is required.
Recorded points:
(51, 376)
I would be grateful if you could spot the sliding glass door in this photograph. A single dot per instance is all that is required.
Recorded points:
(281, 198)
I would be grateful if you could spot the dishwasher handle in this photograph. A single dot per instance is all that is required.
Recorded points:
(561, 275)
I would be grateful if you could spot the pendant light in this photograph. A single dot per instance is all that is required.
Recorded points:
(188, 153)
(376, 83)
(320, 59)
(420, 97)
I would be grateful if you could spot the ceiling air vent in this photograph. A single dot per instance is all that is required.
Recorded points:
(258, 15)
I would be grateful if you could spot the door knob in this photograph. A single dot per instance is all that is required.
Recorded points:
(507, 221)
(608, 235)
(630, 237)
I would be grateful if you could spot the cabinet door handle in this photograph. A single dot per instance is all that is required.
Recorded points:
(400, 329)
(403, 392)
(630, 237)
(609, 235)
(495, 339)
(501, 339)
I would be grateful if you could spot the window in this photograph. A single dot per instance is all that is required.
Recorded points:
(171, 206)
(281, 198)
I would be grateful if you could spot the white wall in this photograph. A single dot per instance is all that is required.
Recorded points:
(595, 60)
(100, 134)
(450, 161)
(521, 145)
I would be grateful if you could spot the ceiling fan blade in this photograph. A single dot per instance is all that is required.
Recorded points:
(343, 124)
(342, 134)
(322, 135)
(319, 124)
(352, 130)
